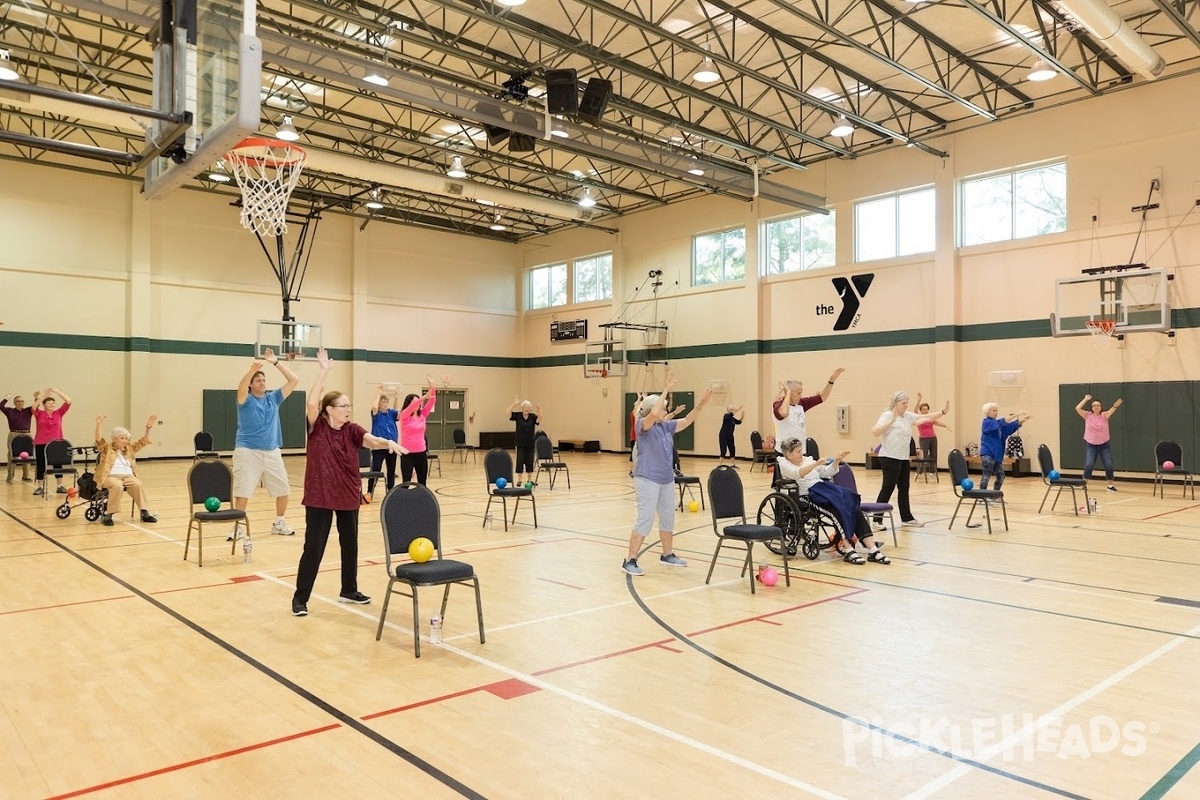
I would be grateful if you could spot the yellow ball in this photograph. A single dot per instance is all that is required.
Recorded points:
(421, 550)
(693, 506)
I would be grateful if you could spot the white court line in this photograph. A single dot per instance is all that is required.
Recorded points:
(1053, 716)
(687, 741)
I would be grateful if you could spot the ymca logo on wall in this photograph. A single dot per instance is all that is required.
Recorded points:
(851, 291)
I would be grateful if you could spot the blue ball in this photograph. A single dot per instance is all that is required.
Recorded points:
(1053, 475)
(501, 483)
(967, 484)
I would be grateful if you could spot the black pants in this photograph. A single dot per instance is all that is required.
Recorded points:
(414, 462)
(317, 522)
(524, 460)
(726, 442)
(378, 459)
(895, 476)
(929, 449)
(39, 453)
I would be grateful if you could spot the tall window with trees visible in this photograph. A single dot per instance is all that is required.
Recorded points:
(593, 278)
(548, 286)
(900, 224)
(798, 243)
(719, 257)
(1024, 202)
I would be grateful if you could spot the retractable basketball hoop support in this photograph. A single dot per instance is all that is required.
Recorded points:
(290, 272)
(654, 334)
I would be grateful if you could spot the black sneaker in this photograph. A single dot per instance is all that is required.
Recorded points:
(61, 489)
(1112, 488)
(356, 597)
(106, 520)
(149, 518)
(299, 608)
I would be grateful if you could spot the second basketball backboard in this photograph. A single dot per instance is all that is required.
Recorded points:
(1133, 300)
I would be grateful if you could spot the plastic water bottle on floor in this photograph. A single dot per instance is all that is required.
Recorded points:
(435, 630)
(247, 546)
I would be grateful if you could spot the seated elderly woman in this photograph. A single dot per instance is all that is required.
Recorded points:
(116, 465)
(812, 480)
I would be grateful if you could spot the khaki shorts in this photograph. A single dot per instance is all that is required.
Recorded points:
(250, 467)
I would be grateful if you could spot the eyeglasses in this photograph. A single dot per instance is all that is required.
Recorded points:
(343, 405)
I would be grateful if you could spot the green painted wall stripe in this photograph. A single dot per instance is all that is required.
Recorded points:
(984, 332)
(1173, 776)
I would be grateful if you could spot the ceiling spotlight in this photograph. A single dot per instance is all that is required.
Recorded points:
(707, 72)
(374, 204)
(6, 71)
(287, 131)
(841, 127)
(456, 168)
(219, 174)
(511, 3)
(694, 167)
(1042, 70)
(557, 128)
(375, 78)
(586, 200)
(497, 225)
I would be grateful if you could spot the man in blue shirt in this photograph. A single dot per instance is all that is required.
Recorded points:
(257, 451)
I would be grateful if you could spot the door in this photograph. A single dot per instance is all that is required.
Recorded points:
(450, 413)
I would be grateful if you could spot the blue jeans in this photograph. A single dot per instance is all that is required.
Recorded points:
(1089, 459)
(992, 466)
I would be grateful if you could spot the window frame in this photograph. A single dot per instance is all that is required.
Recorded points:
(1011, 174)
(574, 274)
(896, 198)
(722, 232)
(765, 239)
(548, 269)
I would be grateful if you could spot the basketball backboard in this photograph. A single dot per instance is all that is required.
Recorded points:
(210, 67)
(295, 341)
(605, 359)
(1134, 300)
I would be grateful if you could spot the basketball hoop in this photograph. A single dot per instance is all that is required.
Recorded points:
(597, 373)
(1101, 330)
(266, 170)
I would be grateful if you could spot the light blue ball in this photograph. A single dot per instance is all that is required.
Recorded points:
(501, 483)
(967, 484)
(1053, 475)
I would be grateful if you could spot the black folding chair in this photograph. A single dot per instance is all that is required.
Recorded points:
(727, 501)
(210, 478)
(958, 474)
(499, 464)
(1046, 465)
(685, 481)
(547, 461)
(203, 442)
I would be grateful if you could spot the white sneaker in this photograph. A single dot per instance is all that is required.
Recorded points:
(280, 528)
(912, 523)
(238, 533)
(878, 527)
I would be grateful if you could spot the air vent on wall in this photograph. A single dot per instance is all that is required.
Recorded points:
(455, 188)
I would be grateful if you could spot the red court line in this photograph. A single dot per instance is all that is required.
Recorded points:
(604, 657)
(765, 617)
(68, 605)
(505, 689)
(1165, 513)
(194, 762)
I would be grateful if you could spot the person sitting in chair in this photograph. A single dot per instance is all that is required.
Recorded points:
(116, 468)
(812, 480)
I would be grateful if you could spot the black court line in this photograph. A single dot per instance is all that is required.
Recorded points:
(346, 719)
(684, 639)
(1178, 601)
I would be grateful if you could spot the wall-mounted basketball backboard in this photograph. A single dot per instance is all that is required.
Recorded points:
(1132, 300)
(294, 341)
(606, 359)
(210, 67)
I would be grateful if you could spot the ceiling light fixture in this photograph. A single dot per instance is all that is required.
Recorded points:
(6, 70)
(287, 131)
(557, 128)
(218, 174)
(694, 167)
(707, 72)
(374, 77)
(586, 200)
(374, 203)
(841, 127)
(511, 3)
(1042, 70)
(497, 225)
(456, 168)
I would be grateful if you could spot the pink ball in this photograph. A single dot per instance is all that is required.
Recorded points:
(1168, 465)
(770, 576)
(24, 454)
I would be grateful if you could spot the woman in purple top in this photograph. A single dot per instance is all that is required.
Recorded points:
(413, 417)
(654, 476)
(332, 487)
(49, 427)
(1096, 438)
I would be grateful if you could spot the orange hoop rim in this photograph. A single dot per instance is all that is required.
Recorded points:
(295, 155)
(1104, 326)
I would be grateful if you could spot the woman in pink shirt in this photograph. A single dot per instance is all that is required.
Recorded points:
(413, 415)
(1096, 438)
(49, 427)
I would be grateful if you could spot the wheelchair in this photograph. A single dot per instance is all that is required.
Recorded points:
(91, 495)
(807, 528)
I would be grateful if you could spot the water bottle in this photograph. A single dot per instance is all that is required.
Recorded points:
(435, 630)
(1094, 505)
(247, 546)
(487, 518)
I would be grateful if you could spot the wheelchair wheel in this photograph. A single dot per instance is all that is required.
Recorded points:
(781, 511)
(91, 514)
(810, 548)
(63, 511)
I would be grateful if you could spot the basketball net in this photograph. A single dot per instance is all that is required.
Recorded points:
(1101, 330)
(266, 170)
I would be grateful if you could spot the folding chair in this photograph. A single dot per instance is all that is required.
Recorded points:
(844, 477)
(958, 474)
(685, 481)
(760, 456)
(1173, 452)
(499, 464)
(547, 461)
(203, 442)
(1046, 466)
(60, 457)
(728, 501)
(461, 446)
(210, 478)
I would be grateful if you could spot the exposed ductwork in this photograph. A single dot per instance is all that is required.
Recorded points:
(1107, 28)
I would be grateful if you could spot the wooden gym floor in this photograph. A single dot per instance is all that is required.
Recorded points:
(1057, 659)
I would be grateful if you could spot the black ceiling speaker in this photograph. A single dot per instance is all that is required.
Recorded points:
(495, 133)
(595, 100)
(562, 91)
(521, 143)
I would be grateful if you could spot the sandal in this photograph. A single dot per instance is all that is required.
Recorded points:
(878, 557)
(853, 557)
